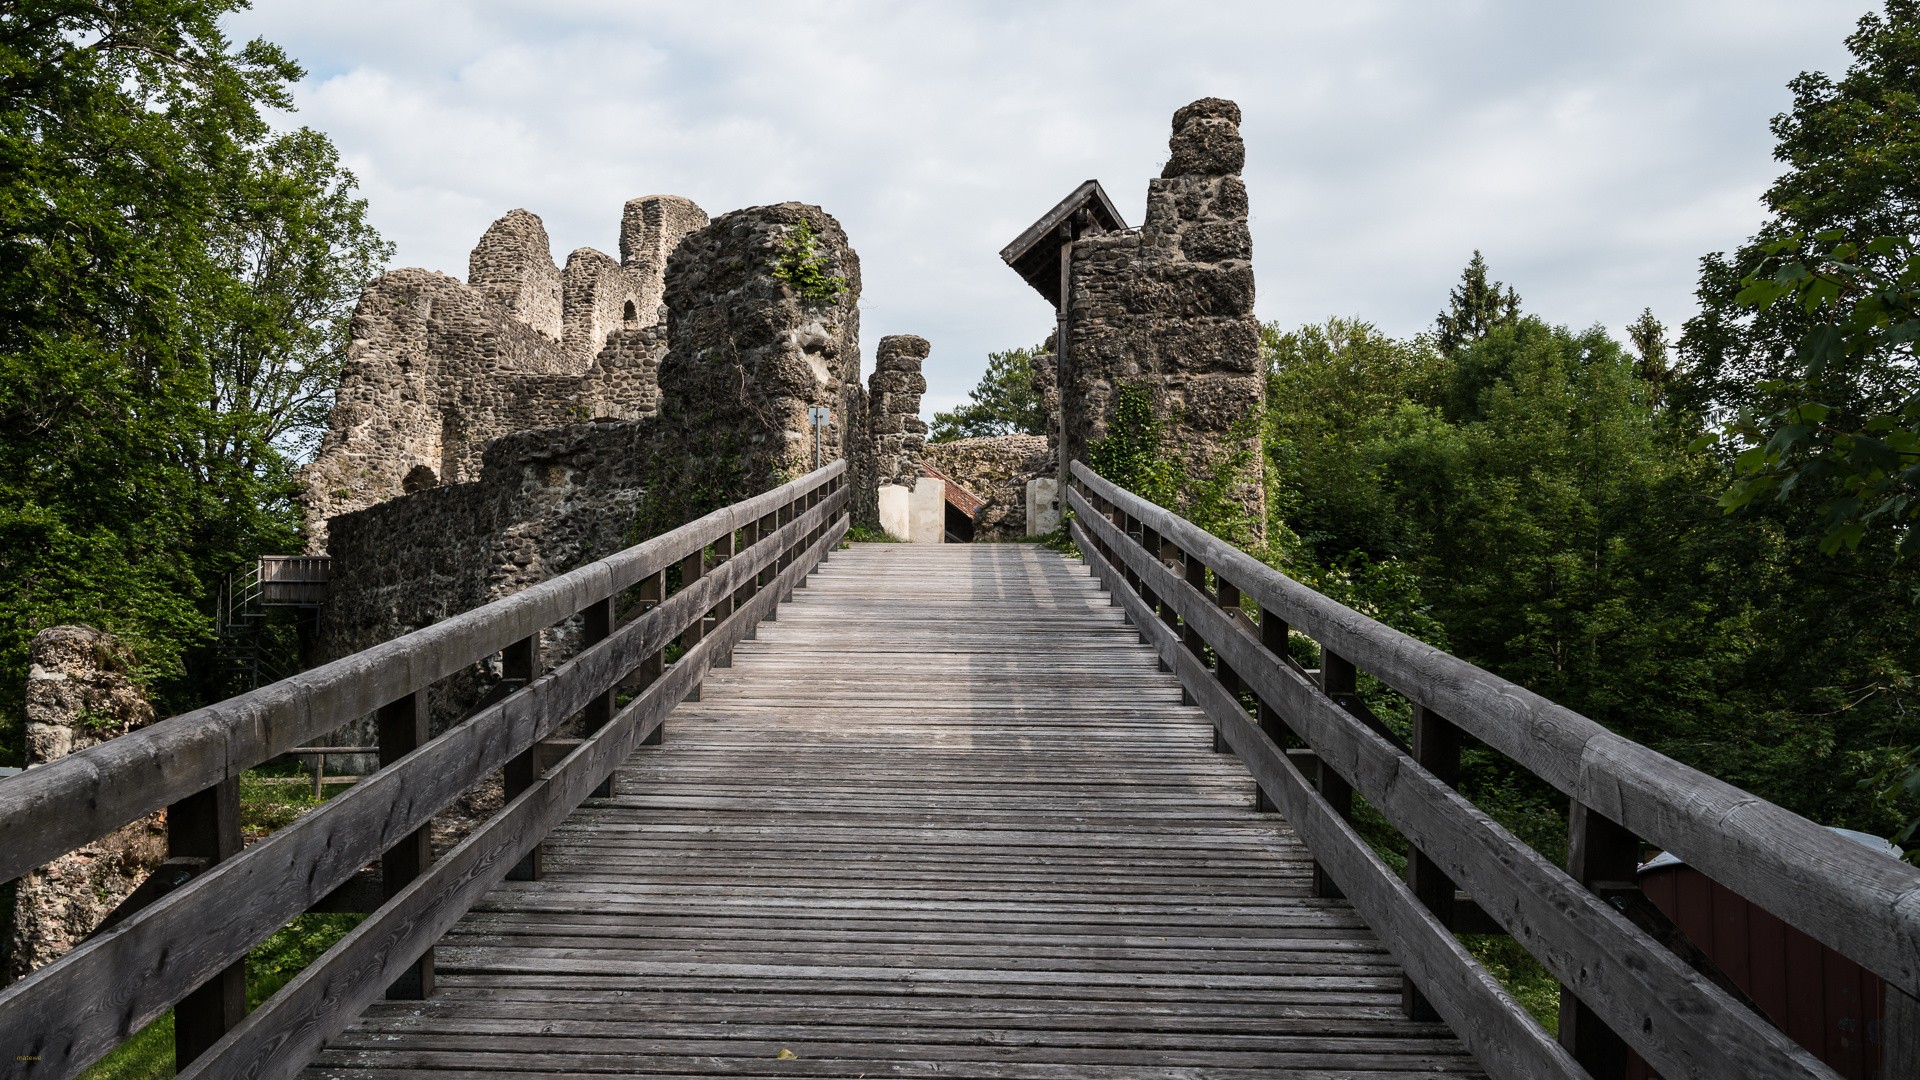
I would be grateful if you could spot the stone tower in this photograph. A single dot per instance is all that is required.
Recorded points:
(1168, 308)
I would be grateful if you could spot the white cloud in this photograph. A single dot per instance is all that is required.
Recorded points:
(1593, 153)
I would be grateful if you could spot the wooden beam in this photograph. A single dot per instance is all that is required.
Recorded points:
(1677, 1019)
(281, 1037)
(1858, 902)
(56, 808)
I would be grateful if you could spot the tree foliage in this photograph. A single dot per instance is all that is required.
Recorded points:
(173, 277)
(1475, 308)
(1004, 403)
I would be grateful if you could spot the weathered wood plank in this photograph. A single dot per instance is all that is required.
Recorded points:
(1861, 904)
(69, 1012)
(905, 851)
(279, 1037)
(49, 811)
(1674, 1016)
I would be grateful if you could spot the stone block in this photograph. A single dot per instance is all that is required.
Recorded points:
(927, 511)
(1043, 505)
(896, 516)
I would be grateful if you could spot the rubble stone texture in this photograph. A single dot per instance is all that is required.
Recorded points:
(748, 358)
(893, 403)
(436, 368)
(748, 354)
(997, 470)
(1169, 306)
(79, 695)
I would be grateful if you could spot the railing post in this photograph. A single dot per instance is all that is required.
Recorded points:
(654, 589)
(1130, 529)
(786, 553)
(749, 536)
(1227, 596)
(404, 727)
(771, 572)
(1597, 850)
(1150, 540)
(597, 625)
(1436, 747)
(520, 662)
(723, 608)
(206, 825)
(1338, 679)
(1273, 636)
(691, 568)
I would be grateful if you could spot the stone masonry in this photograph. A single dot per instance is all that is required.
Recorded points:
(745, 356)
(996, 470)
(437, 367)
(893, 403)
(748, 354)
(1169, 307)
(78, 695)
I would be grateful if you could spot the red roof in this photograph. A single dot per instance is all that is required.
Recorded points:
(957, 497)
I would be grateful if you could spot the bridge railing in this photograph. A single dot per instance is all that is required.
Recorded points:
(212, 902)
(1185, 588)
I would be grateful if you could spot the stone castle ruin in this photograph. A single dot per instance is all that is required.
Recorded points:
(492, 433)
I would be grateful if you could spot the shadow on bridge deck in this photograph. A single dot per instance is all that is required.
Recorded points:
(943, 818)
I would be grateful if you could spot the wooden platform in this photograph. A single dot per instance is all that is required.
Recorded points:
(943, 818)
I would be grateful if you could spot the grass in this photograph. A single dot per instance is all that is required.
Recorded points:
(264, 807)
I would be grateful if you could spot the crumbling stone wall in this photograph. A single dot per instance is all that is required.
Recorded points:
(437, 368)
(748, 358)
(79, 694)
(1169, 307)
(893, 405)
(749, 353)
(512, 266)
(997, 470)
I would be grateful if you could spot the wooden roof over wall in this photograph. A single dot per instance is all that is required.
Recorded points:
(1035, 253)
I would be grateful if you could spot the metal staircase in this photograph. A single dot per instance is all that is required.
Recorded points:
(246, 603)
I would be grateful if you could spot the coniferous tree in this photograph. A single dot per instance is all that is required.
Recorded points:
(1004, 403)
(1649, 339)
(1475, 308)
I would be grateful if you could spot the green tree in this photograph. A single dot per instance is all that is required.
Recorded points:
(171, 276)
(1474, 308)
(1850, 149)
(1004, 403)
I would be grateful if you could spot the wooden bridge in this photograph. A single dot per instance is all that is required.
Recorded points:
(955, 811)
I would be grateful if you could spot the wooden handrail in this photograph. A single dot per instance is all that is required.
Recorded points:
(48, 811)
(1674, 1015)
(65, 1015)
(1853, 900)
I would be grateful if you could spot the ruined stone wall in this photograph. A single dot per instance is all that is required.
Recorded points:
(437, 368)
(1169, 307)
(997, 470)
(78, 695)
(748, 354)
(748, 358)
(650, 228)
(512, 266)
(893, 406)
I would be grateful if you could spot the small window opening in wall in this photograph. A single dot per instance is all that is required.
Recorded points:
(632, 312)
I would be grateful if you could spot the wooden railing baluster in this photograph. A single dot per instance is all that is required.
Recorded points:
(1436, 746)
(404, 726)
(520, 662)
(691, 568)
(768, 526)
(598, 621)
(1598, 850)
(723, 551)
(206, 825)
(1339, 680)
(652, 591)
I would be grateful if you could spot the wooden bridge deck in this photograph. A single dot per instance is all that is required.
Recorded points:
(943, 818)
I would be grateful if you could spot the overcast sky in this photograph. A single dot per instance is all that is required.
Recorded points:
(1592, 151)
